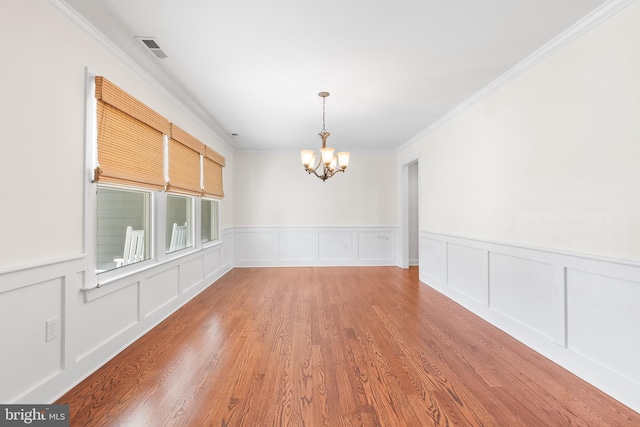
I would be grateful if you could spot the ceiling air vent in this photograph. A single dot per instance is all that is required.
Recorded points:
(152, 46)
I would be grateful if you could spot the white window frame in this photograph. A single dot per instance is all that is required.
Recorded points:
(149, 228)
(93, 277)
(217, 223)
(191, 226)
(157, 214)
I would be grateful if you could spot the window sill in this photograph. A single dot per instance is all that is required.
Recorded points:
(116, 279)
(211, 244)
(104, 281)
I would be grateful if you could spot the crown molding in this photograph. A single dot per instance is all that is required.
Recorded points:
(586, 24)
(82, 24)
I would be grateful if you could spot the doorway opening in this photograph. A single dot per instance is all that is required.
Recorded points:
(410, 224)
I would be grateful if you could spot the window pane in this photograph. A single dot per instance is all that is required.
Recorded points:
(215, 220)
(209, 216)
(205, 216)
(178, 223)
(123, 218)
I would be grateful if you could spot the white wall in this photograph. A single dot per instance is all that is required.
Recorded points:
(44, 265)
(529, 208)
(41, 162)
(551, 159)
(274, 190)
(284, 217)
(42, 110)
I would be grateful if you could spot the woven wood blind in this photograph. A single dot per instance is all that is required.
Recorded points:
(130, 139)
(184, 162)
(129, 151)
(111, 94)
(212, 169)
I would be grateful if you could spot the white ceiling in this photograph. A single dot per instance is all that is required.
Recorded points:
(255, 67)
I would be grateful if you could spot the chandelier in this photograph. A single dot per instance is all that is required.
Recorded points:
(330, 164)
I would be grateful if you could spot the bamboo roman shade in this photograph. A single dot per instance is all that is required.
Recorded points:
(130, 139)
(212, 170)
(131, 148)
(184, 162)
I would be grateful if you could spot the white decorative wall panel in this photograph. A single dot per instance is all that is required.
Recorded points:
(227, 249)
(433, 255)
(603, 321)
(524, 290)
(96, 323)
(582, 312)
(314, 246)
(296, 246)
(191, 273)
(336, 246)
(256, 245)
(158, 290)
(375, 245)
(22, 336)
(468, 271)
(211, 262)
(108, 316)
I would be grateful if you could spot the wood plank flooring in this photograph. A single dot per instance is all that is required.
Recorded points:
(344, 346)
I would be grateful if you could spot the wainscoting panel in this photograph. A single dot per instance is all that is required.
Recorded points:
(297, 246)
(376, 246)
(212, 262)
(581, 312)
(191, 273)
(227, 250)
(433, 256)
(336, 246)
(596, 307)
(317, 246)
(524, 290)
(24, 312)
(467, 270)
(256, 246)
(158, 290)
(96, 322)
(121, 310)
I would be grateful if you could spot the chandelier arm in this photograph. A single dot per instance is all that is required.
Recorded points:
(329, 173)
(318, 165)
(310, 171)
(326, 172)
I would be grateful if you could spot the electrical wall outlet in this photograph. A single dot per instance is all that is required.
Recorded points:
(53, 328)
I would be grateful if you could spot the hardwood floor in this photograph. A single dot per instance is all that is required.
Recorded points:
(345, 346)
